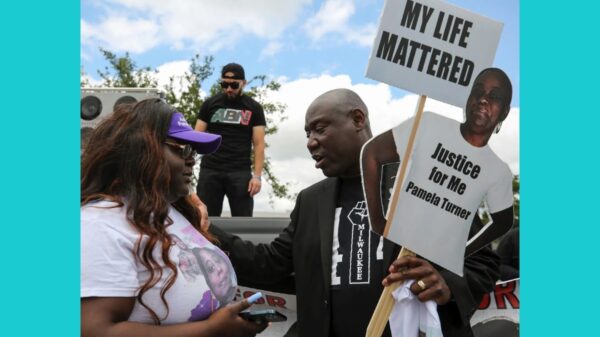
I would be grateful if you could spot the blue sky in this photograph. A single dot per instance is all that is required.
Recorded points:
(309, 46)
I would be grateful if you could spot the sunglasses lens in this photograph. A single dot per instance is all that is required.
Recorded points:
(233, 85)
(187, 151)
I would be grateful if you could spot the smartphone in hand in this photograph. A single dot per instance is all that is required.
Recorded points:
(266, 315)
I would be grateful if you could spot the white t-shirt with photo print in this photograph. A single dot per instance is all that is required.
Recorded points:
(205, 282)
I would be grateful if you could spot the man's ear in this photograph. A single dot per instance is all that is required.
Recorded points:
(358, 119)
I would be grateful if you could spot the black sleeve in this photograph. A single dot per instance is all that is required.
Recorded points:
(481, 273)
(258, 115)
(500, 223)
(508, 250)
(204, 113)
(261, 263)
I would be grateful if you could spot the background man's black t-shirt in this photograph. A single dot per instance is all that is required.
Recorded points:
(233, 120)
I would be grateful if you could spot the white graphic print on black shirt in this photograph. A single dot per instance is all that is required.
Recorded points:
(357, 264)
(352, 258)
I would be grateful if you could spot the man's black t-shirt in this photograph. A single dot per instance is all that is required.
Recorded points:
(357, 264)
(233, 120)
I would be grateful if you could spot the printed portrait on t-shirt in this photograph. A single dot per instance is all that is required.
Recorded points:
(198, 260)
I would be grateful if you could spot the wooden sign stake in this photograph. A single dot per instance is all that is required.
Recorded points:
(386, 302)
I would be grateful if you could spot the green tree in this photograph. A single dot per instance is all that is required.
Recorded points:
(183, 93)
(275, 114)
(187, 99)
(124, 73)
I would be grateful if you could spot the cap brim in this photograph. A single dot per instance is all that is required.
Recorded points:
(202, 142)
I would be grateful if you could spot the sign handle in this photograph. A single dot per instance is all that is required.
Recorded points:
(384, 307)
(386, 302)
(402, 169)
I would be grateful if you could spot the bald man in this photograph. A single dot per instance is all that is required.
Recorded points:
(338, 262)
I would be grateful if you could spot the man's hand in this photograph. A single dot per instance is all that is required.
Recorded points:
(254, 186)
(428, 285)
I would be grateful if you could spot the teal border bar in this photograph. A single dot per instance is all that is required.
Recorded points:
(559, 175)
(40, 168)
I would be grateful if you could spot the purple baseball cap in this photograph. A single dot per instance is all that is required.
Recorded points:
(202, 142)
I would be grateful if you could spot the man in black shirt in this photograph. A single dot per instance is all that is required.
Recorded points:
(240, 121)
(339, 264)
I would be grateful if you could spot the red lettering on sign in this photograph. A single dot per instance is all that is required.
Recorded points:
(275, 301)
(485, 302)
(506, 291)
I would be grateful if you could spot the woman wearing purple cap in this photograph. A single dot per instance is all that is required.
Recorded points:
(135, 177)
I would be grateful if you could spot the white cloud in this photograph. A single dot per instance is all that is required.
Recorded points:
(120, 33)
(363, 36)
(271, 49)
(176, 70)
(193, 24)
(86, 31)
(92, 82)
(298, 172)
(333, 18)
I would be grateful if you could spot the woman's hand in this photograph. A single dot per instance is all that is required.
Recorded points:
(228, 323)
(107, 317)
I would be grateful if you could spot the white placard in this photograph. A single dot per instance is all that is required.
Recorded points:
(432, 48)
(446, 181)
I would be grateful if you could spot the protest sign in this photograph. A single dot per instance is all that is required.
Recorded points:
(432, 48)
(446, 182)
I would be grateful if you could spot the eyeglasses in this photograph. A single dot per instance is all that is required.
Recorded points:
(233, 85)
(185, 151)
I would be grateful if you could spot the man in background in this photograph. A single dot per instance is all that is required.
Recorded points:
(240, 121)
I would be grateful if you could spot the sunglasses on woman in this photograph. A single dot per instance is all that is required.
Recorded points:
(185, 151)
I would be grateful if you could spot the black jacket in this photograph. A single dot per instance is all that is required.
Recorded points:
(304, 248)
